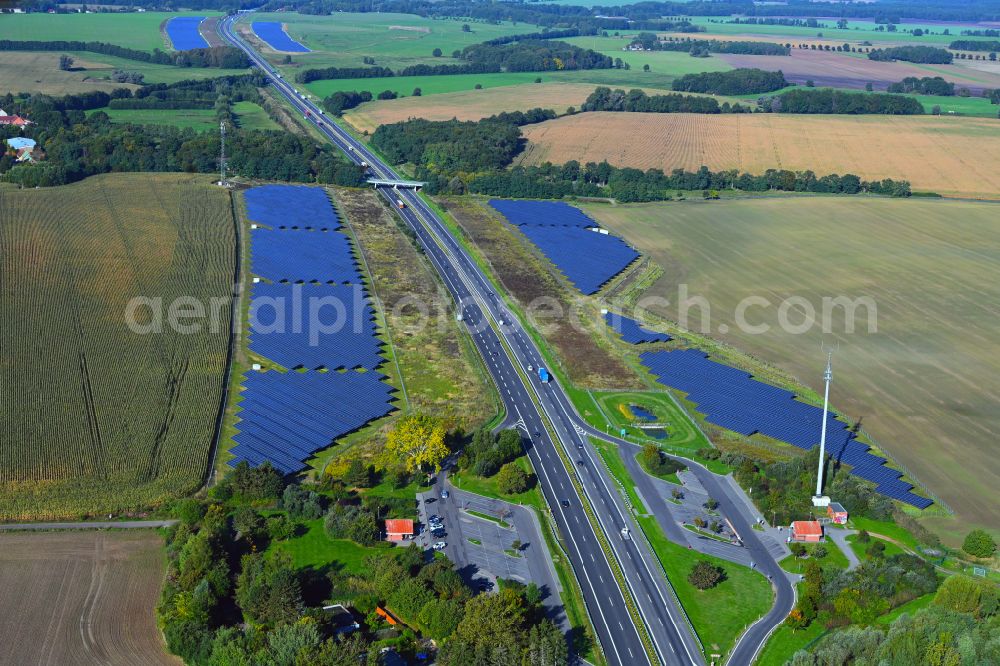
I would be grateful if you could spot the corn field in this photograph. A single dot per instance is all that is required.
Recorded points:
(96, 418)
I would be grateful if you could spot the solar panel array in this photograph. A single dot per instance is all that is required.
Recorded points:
(632, 331)
(286, 417)
(184, 34)
(314, 326)
(274, 34)
(587, 258)
(732, 399)
(555, 213)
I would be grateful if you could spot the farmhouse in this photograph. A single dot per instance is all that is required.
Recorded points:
(17, 121)
(19, 143)
(398, 529)
(806, 530)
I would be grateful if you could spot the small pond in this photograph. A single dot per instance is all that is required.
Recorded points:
(642, 413)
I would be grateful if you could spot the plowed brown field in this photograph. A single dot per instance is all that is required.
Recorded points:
(470, 104)
(81, 598)
(952, 156)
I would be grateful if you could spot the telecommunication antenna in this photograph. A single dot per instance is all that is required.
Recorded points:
(222, 154)
(819, 499)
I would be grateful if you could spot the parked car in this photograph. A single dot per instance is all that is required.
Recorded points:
(445, 494)
(439, 533)
(440, 545)
(434, 519)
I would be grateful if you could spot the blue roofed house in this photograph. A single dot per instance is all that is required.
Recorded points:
(17, 143)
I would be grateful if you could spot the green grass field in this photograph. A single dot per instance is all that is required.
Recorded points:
(394, 40)
(924, 384)
(314, 549)
(785, 642)
(249, 115)
(835, 558)
(856, 31)
(97, 417)
(136, 30)
(684, 438)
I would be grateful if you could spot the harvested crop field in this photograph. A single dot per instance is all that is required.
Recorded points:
(81, 598)
(925, 384)
(38, 72)
(952, 156)
(97, 415)
(470, 104)
(839, 70)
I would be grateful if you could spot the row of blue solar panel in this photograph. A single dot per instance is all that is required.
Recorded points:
(286, 418)
(587, 259)
(732, 399)
(184, 33)
(290, 205)
(542, 213)
(274, 34)
(314, 326)
(632, 331)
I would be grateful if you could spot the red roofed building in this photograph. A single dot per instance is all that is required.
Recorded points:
(14, 120)
(837, 513)
(398, 529)
(807, 530)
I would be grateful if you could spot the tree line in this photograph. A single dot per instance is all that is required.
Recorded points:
(973, 45)
(225, 57)
(78, 145)
(734, 82)
(928, 85)
(810, 100)
(636, 100)
(649, 41)
(919, 54)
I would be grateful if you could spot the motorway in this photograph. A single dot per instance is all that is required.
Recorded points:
(545, 413)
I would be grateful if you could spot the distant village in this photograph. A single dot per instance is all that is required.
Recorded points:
(22, 149)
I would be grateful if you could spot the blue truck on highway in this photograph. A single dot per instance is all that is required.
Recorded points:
(543, 374)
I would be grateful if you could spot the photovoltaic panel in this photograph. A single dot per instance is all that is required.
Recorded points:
(274, 34)
(324, 256)
(545, 213)
(314, 326)
(632, 331)
(184, 34)
(587, 258)
(298, 206)
(286, 417)
(732, 399)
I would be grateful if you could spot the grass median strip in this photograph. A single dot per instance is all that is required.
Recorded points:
(486, 516)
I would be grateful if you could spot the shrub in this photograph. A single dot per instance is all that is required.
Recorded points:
(979, 543)
(512, 479)
(705, 575)
(798, 550)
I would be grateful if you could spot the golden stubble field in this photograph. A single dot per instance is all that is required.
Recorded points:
(470, 104)
(81, 597)
(925, 384)
(950, 155)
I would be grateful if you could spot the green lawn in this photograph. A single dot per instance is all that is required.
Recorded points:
(835, 558)
(487, 486)
(856, 31)
(720, 614)
(612, 458)
(249, 114)
(860, 548)
(252, 116)
(100, 65)
(910, 607)
(884, 527)
(684, 438)
(394, 40)
(316, 549)
(671, 63)
(137, 30)
(785, 642)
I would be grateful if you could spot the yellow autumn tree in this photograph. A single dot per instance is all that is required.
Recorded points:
(418, 441)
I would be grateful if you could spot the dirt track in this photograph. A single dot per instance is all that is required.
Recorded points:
(81, 598)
